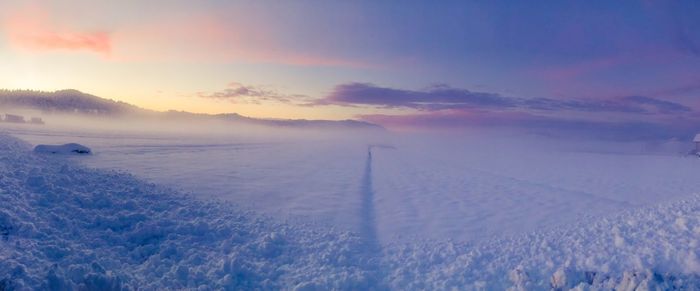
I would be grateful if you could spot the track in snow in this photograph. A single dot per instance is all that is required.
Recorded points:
(368, 224)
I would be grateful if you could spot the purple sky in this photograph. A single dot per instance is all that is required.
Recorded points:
(630, 68)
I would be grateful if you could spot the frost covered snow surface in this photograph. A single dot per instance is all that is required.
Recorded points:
(613, 222)
(653, 248)
(424, 188)
(65, 227)
(313, 181)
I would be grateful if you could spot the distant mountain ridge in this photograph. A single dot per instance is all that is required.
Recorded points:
(74, 101)
(65, 101)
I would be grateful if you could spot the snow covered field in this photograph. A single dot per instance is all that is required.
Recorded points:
(65, 227)
(464, 189)
(487, 213)
(471, 190)
(315, 181)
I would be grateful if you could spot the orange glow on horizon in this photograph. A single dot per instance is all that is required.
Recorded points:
(159, 62)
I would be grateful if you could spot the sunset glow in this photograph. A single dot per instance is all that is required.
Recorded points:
(167, 55)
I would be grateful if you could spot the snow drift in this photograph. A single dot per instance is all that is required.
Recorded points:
(66, 149)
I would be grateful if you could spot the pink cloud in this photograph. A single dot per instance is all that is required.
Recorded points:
(32, 29)
(98, 42)
(192, 37)
(202, 37)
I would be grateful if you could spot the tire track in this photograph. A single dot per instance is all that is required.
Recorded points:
(371, 249)
(368, 223)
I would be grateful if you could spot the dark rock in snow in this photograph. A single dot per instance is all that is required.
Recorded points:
(70, 149)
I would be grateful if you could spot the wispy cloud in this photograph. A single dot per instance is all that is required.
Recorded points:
(442, 106)
(32, 29)
(690, 88)
(201, 37)
(98, 42)
(653, 104)
(239, 93)
(444, 97)
(197, 36)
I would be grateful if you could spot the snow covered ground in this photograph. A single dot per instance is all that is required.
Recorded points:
(465, 189)
(649, 248)
(65, 227)
(471, 190)
(315, 181)
(429, 214)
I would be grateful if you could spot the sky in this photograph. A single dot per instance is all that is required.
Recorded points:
(631, 66)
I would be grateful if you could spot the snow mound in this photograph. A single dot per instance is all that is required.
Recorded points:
(66, 149)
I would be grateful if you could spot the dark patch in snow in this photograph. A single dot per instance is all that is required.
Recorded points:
(589, 277)
(629, 280)
(5, 225)
(5, 231)
(71, 148)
